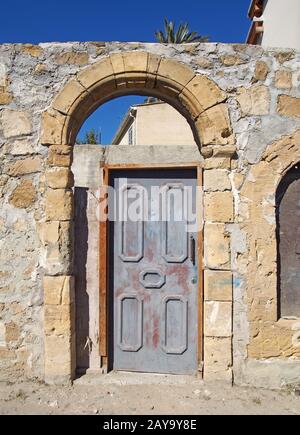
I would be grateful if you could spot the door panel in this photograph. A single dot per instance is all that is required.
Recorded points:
(153, 272)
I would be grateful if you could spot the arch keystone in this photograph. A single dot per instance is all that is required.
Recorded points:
(135, 61)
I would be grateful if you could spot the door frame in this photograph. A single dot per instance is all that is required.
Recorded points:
(107, 169)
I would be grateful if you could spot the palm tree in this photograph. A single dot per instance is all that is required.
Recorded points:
(181, 36)
(91, 138)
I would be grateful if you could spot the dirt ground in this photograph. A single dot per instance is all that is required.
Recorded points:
(129, 394)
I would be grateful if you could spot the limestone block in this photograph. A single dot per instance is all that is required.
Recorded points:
(288, 106)
(60, 156)
(72, 58)
(216, 180)
(24, 195)
(15, 123)
(283, 79)
(59, 290)
(29, 165)
(254, 101)
(59, 178)
(218, 207)
(217, 319)
(261, 71)
(217, 285)
(216, 246)
(59, 205)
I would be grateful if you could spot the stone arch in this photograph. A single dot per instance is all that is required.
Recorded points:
(269, 336)
(195, 96)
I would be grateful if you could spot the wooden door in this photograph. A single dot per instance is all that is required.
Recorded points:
(153, 322)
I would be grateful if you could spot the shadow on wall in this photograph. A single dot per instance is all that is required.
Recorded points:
(80, 272)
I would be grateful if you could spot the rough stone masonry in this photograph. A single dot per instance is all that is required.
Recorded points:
(243, 104)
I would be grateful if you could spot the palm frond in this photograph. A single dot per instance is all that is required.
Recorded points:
(180, 36)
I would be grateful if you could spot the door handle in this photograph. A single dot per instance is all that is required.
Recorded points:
(192, 249)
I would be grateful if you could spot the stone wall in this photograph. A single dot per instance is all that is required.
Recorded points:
(243, 104)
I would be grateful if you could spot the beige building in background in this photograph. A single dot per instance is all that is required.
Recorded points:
(153, 123)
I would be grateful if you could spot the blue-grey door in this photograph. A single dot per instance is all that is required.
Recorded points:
(154, 271)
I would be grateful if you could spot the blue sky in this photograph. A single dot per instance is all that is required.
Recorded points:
(35, 21)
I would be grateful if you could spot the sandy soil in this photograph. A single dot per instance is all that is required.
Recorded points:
(143, 394)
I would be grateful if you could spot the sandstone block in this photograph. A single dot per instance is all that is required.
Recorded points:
(32, 50)
(217, 285)
(216, 246)
(218, 207)
(59, 357)
(59, 178)
(59, 205)
(58, 319)
(283, 79)
(52, 125)
(217, 163)
(217, 319)
(216, 180)
(206, 91)
(60, 156)
(5, 96)
(29, 165)
(98, 71)
(175, 71)
(15, 123)
(72, 58)
(217, 354)
(71, 92)
(24, 195)
(59, 290)
(261, 71)
(21, 148)
(12, 332)
(254, 101)
(214, 126)
(288, 106)
(49, 232)
(231, 60)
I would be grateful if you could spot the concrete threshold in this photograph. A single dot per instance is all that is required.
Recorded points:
(130, 378)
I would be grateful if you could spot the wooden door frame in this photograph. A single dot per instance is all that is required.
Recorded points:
(104, 258)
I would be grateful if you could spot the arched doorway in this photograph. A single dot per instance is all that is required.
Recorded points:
(196, 97)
